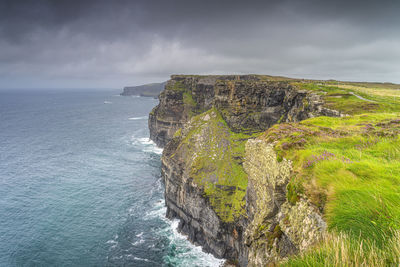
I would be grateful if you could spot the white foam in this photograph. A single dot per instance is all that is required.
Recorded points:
(140, 241)
(141, 259)
(189, 252)
(159, 211)
(107, 102)
(140, 234)
(138, 118)
(149, 145)
(194, 252)
(113, 242)
(146, 141)
(155, 150)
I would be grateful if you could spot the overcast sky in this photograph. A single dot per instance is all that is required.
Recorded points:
(110, 44)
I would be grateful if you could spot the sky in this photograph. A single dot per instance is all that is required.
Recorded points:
(111, 44)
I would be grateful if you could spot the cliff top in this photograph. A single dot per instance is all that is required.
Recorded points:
(262, 77)
(347, 97)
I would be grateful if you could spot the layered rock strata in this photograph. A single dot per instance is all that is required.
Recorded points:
(248, 103)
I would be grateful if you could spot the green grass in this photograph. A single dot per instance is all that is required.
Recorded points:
(341, 97)
(341, 250)
(176, 86)
(350, 167)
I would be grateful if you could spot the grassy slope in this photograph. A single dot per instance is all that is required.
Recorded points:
(350, 167)
(216, 165)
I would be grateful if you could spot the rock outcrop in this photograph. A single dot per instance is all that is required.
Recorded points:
(227, 188)
(278, 226)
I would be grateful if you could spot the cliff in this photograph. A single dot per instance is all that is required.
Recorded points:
(233, 164)
(146, 90)
(248, 103)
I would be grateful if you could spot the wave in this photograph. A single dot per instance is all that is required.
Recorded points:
(138, 118)
(140, 259)
(159, 211)
(155, 150)
(140, 241)
(107, 102)
(146, 141)
(185, 253)
(148, 145)
(202, 258)
(111, 241)
(140, 234)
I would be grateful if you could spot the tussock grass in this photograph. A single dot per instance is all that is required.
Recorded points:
(341, 250)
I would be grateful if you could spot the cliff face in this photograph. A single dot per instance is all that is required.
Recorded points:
(248, 103)
(230, 193)
(205, 185)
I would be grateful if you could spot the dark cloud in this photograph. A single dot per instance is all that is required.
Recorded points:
(114, 43)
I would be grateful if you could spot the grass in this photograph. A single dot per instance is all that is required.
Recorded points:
(350, 168)
(343, 97)
(340, 250)
(176, 86)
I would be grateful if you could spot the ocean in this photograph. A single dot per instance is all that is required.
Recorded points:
(80, 183)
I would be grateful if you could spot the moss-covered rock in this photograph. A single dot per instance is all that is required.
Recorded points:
(278, 227)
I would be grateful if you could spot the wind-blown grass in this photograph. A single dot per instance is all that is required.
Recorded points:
(340, 250)
(350, 168)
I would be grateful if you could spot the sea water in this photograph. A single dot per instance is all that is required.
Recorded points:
(80, 183)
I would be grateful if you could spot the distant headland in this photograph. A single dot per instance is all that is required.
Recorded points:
(147, 90)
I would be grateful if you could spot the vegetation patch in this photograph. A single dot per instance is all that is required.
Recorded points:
(216, 164)
(353, 98)
(176, 86)
(275, 234)
(293, 192)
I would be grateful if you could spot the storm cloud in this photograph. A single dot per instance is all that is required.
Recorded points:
(116, 43)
